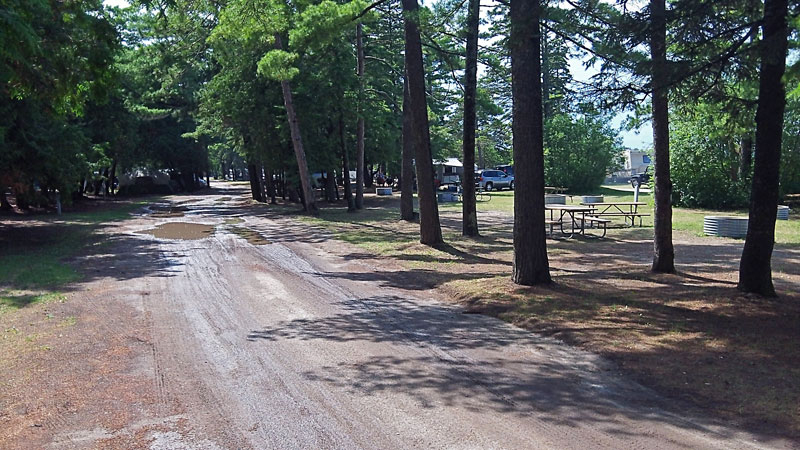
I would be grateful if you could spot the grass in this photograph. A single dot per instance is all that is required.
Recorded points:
(683, 219)
(33, 265)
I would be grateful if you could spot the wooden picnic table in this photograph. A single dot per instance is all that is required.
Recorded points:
(626, 210)
(576, 214)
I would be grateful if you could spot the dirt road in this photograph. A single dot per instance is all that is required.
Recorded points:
(286, 342)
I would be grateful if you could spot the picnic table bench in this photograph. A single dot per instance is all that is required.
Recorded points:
(626, 210)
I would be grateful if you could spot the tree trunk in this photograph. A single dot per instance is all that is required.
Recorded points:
(283, 184)
(113, 176)
(360, 131)
(264, 184)
(330, 186)
(106, 185)
(348, 188)
(255, 186)
(745, 157)
(270, 184)
(530, 245)
(663, 252)
(369, 176)
(429, 227)
(407, 168)
(468, 208)
(4, 203)
(755, 269)
(309, 202)
(547, 105)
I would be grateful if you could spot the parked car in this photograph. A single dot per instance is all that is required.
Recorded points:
(491, 179)
(641, 178)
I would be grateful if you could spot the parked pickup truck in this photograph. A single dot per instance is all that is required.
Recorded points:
(641, 178)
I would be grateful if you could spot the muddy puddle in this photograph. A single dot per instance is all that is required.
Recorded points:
(167, 211)
(180, 230)
(251, 236)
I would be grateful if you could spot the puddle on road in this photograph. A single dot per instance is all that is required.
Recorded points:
(180, 230)
(251, 236)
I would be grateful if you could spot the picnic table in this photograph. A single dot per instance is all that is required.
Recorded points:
(626, 210)
(577, 218)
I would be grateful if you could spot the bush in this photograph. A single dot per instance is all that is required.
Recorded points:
(705, 166)
(579, 152)
(790, 159)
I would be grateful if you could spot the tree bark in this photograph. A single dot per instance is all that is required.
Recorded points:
(255, 185)
(468, 207)
(547, 105)
(755, 269)
(263, 179)
(360, 131)
(330, 185)
(429, 228)
(745, 157)
(530, 264)
(270, 184)
(4, 203)
(113, 176)
(348, 188)
(407, 167)
(309, 202)
(663, 251)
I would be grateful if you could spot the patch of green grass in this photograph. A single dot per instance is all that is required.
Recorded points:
(115, 214)
(683, 219)
(69, 321)
(10, 300)
(38, 265)
(33, 267)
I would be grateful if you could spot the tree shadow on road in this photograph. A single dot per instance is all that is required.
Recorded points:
(447, 358)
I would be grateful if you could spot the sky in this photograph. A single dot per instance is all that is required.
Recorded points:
(640, 138)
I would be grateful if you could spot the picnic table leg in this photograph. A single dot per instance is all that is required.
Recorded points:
(583, 223)
(561, 220)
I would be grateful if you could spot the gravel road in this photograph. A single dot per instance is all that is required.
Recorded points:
(292, 344)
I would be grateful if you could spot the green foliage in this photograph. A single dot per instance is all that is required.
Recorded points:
(55, 57)
(705, 162)
(790, 159)
(321, 23)
(579, 152)
(277, 65)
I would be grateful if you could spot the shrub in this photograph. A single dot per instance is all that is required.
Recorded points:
(579, 152)
(705, 165)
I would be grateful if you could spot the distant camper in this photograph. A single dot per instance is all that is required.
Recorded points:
(449, 171)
